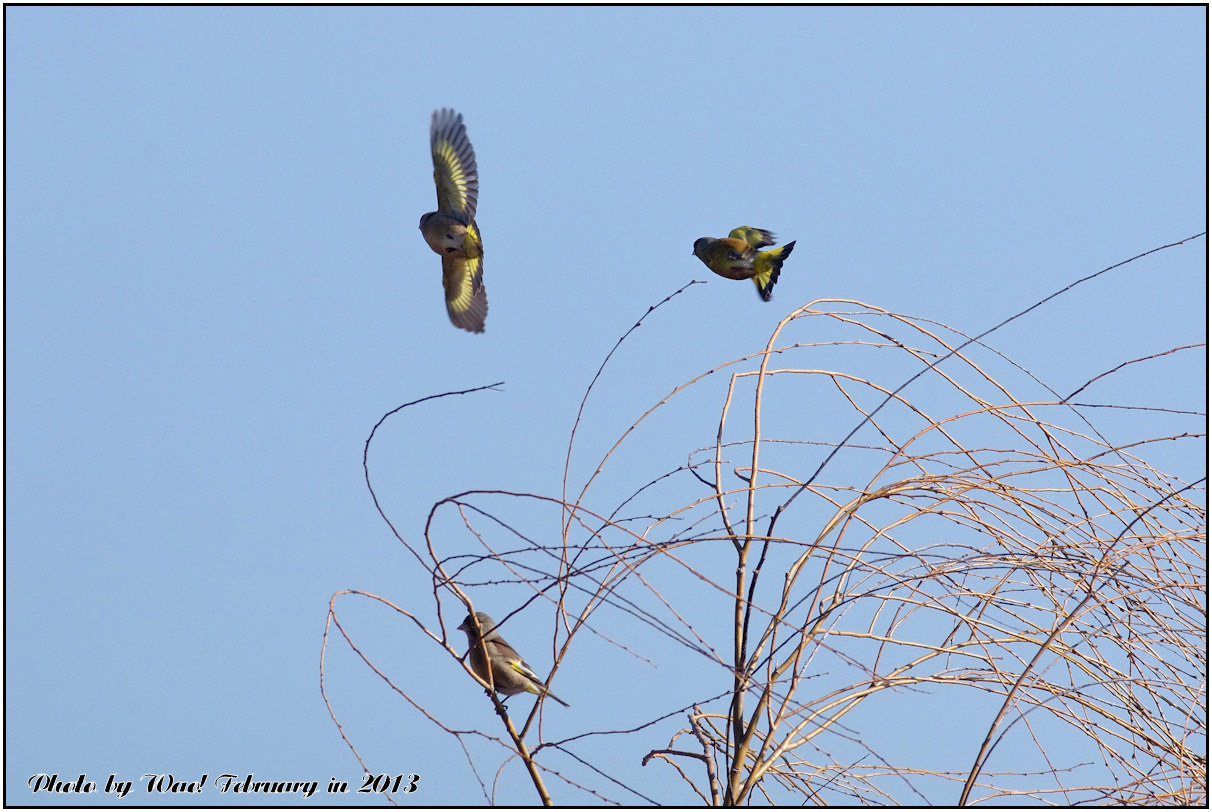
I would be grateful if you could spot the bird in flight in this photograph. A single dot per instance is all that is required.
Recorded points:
(737, 257)
(451, 231)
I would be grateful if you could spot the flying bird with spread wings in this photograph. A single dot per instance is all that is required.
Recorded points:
(451, 231)
(737, 257)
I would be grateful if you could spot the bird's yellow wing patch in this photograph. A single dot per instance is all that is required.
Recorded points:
(522, 668)
(755, 237)
(454, 165)
(466, 299)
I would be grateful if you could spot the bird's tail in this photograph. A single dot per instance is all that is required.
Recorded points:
(766, 268)
(472, 247)
(556, 698)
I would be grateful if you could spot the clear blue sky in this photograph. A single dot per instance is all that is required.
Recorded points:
(215, 286)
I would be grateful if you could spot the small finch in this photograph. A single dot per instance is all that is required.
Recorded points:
(510, 673)
(451, 231)
(737, 257)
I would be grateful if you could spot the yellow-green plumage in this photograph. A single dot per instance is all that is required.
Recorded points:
(756, 237)
(737, 257)
(451, 231)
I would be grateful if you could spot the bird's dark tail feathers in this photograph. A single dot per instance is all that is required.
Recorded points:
(768, 265)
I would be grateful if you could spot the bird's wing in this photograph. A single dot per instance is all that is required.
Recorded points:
(536, 683)
(519, 665)
(454, 165)
(756, 237)
(466, 299)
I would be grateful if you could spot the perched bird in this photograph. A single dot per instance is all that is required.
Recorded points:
(451, 231)
(510, 674)
(737, 257)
